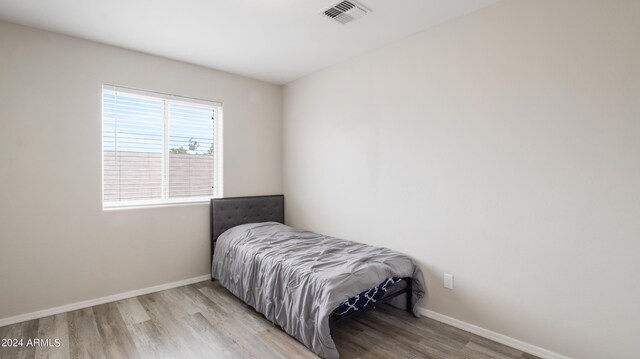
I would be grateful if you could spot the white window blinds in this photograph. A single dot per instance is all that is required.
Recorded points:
(159, 148)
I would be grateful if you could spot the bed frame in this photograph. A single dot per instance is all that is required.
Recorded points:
(227, 213)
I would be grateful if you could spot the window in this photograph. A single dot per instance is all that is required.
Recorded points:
(159, 149)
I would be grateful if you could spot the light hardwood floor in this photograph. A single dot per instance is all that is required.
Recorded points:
(204, 320)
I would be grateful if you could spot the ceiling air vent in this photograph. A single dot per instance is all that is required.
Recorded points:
(345, 11)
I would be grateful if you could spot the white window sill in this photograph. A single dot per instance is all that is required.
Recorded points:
(156, 204)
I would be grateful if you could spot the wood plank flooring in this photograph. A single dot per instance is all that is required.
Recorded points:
(204, 320)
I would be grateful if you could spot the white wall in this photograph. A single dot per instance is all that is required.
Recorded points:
(57, 246)
(502, 147)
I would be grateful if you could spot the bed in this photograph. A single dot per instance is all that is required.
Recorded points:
(303, 281)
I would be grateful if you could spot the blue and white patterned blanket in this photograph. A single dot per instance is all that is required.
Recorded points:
(365, 298)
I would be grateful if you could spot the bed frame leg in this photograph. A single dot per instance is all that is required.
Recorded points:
(409, 294)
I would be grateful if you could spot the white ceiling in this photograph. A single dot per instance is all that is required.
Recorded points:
(272, 40)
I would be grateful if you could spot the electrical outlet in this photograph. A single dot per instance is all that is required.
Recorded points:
(448, 281)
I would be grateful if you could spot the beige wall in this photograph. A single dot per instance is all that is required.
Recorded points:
(57, 246)
(502, 147)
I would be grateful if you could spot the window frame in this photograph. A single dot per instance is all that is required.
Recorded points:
(218, 158)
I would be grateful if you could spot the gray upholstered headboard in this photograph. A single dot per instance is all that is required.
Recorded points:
(230, 212)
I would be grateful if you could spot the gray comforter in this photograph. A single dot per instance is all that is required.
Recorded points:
(297, 278)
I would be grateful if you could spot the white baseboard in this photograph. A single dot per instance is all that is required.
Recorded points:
(497, 337)
(97, 301)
